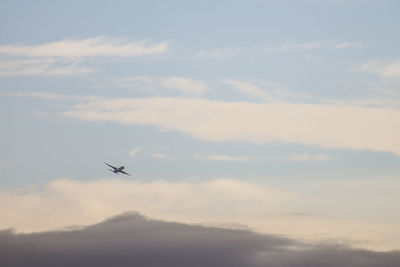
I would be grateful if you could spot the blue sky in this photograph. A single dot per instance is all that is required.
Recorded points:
(290, 109)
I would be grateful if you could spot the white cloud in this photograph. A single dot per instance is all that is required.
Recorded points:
(185, 86)
(135, 151)
(384, 70)
(99, 46)
(330, 126)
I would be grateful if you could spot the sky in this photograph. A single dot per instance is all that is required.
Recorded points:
(276, 117)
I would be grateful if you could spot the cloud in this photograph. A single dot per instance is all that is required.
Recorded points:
(133, 240)
(309, 157)
(384, 70)
(222, 158)
(64, 57)
(329, 126)
(135, 151)
(163, 156)
(201, 157)
(53, 96)
(345, 45)
(343, 214)
(186, 86)
(88, 202)
(294, 46)
(142, 83)
(249, 89)
(265, 91)
(99, 46)
(46, 67)
(223, 53)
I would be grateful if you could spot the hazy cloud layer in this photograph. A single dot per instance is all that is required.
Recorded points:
(330, 126)
(87, 202)
(133, 240)
(343, 213)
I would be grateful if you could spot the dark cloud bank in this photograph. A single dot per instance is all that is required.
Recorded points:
(134, 240)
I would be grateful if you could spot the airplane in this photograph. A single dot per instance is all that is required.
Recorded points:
(117, 170)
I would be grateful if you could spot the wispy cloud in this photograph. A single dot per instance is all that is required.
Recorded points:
(265, 91)
(288, 46)
(65, 57)
(54, 96)
(43, 67)
(383, 69)
(182, 85)
(223, 53)
(141, 83)
(135, 151)
(99, 46)
(197, 156)
(311, 157)
(167, 157)
(249, 89)
(185, 86)
(294, 46)
(220, 157)
(345, 45)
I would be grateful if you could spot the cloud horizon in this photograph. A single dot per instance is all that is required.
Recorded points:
(135, 240)
(262, 208)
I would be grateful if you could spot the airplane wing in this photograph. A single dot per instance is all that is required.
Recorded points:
(126, 173)
(110, 165)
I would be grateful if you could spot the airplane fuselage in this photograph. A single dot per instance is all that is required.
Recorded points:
(119, 169)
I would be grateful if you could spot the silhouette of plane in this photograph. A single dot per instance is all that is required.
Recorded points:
(117, 170)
